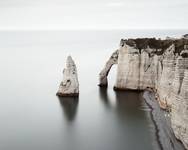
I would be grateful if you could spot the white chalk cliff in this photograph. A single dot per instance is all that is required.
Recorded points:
(69, 86)
(161, 65)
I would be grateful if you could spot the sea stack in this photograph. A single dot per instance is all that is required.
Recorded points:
(69, 86)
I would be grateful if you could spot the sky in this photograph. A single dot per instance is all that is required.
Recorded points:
(93, 14)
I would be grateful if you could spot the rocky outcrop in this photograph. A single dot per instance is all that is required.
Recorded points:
(104, 73)
(161, 65)
(69, 86)
(185, 36)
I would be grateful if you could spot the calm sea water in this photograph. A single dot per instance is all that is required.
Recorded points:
(33, 118)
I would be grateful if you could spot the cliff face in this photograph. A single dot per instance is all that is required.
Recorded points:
(163, 66)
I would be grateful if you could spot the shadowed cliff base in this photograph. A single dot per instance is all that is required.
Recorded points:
(115, 88)
(69, 95)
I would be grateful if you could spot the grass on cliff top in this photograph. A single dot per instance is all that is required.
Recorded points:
(143, 43)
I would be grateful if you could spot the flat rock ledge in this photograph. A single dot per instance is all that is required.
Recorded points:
(69, 87)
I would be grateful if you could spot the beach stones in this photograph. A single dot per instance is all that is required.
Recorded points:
(69, 86)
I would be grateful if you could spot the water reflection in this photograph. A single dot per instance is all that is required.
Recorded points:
(127, 117)
(104, 96)
(125, 101)
(128, 104)
(128, 100)
(69, 106)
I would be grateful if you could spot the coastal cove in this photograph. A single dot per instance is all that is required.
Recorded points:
(159, 65)
(33, 117)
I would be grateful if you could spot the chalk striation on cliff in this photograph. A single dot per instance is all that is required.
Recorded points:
(69, 86)
(161, 65)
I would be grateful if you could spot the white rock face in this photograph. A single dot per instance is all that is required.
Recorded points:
(69, 86)
(179, 111)
(128, 59)
(162, 69)
(103, 81)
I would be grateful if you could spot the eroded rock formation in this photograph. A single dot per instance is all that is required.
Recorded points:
(104, 73)
(161, 65)
(69, 86)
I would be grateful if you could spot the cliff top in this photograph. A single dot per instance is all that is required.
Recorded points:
(143, 43)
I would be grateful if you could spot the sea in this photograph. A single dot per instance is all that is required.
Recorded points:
(32, 117)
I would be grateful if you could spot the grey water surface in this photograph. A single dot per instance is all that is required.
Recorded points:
(33, 118)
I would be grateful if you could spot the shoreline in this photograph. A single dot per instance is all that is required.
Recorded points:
(164, 134)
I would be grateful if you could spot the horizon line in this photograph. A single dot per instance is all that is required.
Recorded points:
(85, 29)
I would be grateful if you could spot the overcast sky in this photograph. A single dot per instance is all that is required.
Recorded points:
(93, 14)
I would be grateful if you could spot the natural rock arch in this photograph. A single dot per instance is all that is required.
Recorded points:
(103, 80)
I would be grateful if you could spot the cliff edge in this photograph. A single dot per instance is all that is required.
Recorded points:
(161, 65)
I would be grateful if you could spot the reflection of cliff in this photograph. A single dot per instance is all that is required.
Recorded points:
(129, 107)
(104, 96)
(125, 101)
(128, 102)
(129, 111)
(69, 105)
(161, 65)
